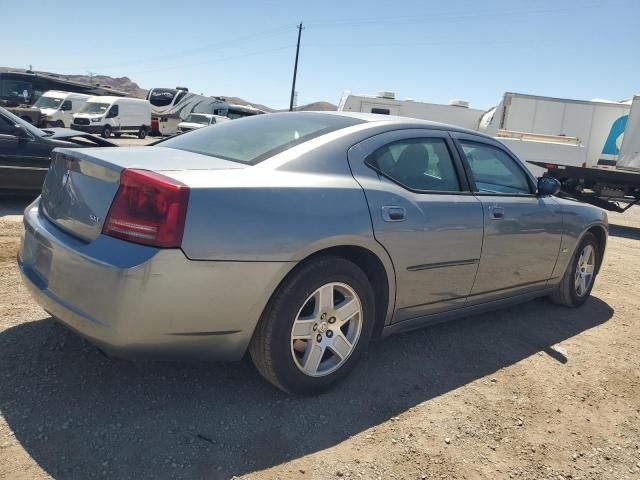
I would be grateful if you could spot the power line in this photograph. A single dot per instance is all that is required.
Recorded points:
(215, 60)
(204, 49)
(355, 22)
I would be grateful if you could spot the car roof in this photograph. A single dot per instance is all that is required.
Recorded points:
(406, 122)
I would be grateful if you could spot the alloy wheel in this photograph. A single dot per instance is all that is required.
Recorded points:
(584, 270)
(326, 329)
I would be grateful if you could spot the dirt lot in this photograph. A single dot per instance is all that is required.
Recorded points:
(530, 392)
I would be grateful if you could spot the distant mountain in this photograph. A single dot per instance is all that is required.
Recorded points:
(125, 84)
(318, 107)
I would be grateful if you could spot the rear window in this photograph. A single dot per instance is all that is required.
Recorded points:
(253, 139)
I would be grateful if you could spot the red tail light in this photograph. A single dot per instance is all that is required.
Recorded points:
(148, 208)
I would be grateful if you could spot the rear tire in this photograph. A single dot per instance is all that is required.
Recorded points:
(106, 131)
(299, 322)
(577, 282)
(142, 133)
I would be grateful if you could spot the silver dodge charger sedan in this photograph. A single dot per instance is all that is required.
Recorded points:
(298, 237)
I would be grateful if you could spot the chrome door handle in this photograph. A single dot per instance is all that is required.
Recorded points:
(497, 213)
(391, 213)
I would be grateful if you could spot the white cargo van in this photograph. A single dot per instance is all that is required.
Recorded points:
(57, 108)
(114, 115)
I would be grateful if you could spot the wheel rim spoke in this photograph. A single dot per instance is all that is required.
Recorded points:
(312, 358)
(302, 329)
(346, 310)
(341, 346)
(324, 299)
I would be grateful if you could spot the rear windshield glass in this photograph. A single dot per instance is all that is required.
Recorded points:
(253, 139)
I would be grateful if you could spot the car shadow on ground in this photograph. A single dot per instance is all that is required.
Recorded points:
(632, 233)
(14, 206)
(79, 414)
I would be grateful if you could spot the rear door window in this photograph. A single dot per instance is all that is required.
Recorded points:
(423, 164)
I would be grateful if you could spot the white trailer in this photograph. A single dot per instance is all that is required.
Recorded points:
(598, 125)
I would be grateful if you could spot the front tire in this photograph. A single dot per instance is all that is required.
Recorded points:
(315, 327)
(106, 131)
(577, 282)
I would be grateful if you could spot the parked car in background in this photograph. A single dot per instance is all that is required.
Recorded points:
(298, 237)
(199, 120)
(114, 115)
(25, 152)
(57, 108)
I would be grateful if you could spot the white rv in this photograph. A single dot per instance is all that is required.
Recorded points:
(170, 106)
(457, 112)
(57, 108)
(114, 115)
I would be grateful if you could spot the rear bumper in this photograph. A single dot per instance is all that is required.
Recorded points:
(135, 301)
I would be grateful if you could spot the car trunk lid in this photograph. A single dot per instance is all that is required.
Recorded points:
(82, 183)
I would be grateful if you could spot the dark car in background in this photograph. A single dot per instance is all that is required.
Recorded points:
(25, 152)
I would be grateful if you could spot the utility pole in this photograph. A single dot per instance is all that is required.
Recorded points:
(295, 68)
(91, 77)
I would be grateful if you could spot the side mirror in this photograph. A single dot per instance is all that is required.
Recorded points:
(21, 132)
(65, 108)
(548, 186)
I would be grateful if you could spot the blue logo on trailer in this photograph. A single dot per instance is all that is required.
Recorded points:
(617, 129)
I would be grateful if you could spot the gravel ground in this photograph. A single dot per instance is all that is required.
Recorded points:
(529, 392)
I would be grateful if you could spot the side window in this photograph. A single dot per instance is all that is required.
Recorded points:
(6, 127)
(418, 164)
(66, 106)
(114, 111)
(493, 170)
(383, 111)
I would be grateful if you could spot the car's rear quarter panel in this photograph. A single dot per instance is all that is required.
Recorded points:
(278, 216)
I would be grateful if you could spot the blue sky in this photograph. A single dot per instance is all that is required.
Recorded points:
(430, 51)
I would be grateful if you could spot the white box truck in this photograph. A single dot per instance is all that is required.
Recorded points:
(615, 188)
(114, 115)
(598, 125)
(57, 108)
